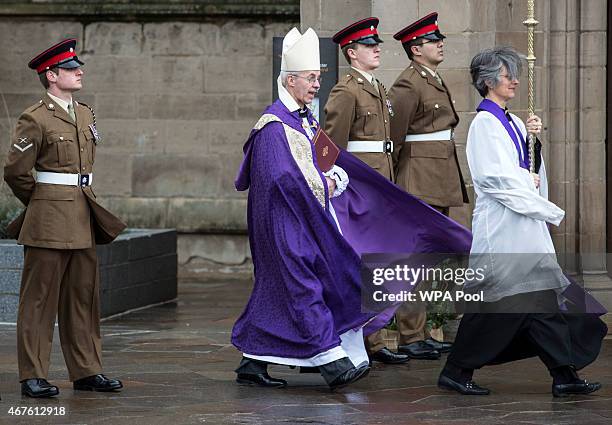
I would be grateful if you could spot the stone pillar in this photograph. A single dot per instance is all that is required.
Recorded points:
(592, 136)
(563, 127)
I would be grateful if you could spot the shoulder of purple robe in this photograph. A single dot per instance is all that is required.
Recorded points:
(284, 138)
(274, 139)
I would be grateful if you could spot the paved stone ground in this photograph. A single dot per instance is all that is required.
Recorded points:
(177, 365)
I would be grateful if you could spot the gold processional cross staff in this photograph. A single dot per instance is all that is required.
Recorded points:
(531, 23)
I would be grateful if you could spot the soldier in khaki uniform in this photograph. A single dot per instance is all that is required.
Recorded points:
(357, 110)
(426, 158)
(59, 229)
(358, 120)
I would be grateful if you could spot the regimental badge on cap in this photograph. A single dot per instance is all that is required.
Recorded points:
(362, 32)
(61, 55)
(426, 28)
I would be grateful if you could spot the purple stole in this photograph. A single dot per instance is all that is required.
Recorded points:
(504, 117)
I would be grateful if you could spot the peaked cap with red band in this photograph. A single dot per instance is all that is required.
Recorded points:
(426, 28)
(62, 55)
(362, 32)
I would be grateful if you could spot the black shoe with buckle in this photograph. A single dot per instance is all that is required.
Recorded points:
(97, 382)
(38, 388)
(261, 379)
(579, 387)
(465, 388)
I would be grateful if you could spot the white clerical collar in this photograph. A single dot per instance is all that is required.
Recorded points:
(60, 102)
(286, 98)
(367, 75)
(291, 104)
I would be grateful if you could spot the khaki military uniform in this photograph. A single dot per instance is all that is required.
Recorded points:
(427, 169)
(357, 110)
(59, 230)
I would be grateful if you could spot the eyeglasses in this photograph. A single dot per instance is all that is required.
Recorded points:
(431, 41)
(311, 79)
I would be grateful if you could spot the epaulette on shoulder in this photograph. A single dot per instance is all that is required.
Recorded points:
(93, 114)
(346, 78)
(34, 106)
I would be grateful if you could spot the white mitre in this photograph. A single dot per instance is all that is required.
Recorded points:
(301, 51)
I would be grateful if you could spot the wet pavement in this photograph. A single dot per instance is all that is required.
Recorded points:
(177, 365)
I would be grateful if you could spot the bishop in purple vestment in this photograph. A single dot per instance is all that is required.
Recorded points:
(305, 306)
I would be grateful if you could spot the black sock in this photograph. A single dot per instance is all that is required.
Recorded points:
(252, 366)
(564, 375)
(457, 373)
(333, 370)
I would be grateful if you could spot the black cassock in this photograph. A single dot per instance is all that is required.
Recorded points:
(497, 334)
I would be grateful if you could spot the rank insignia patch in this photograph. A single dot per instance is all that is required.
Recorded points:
(23, 144)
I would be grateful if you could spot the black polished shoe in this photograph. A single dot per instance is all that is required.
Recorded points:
(97, 382)
(419, 350)
(261, 379)
(350, 376)
(439, 346)
(389, 357)
(579, 387)
(467, 388)
(38, 388)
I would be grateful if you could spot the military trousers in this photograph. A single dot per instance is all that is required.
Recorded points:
(410, 326)
(62, 283)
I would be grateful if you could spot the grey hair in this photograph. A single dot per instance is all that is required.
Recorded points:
(486, 67)
(283, 76)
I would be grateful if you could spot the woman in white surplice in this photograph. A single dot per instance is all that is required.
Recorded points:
(523, 282)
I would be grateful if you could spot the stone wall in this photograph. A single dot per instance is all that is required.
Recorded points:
(175, 96)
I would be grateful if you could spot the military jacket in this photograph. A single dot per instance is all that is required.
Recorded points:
(427, 169)
(56, 216)
(357, 111)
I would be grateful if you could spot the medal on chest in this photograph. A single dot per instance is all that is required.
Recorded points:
(390, 108)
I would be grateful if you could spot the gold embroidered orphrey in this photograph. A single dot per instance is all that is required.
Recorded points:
(301, 151)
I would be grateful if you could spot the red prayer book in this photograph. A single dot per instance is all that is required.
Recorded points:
(326, 150)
